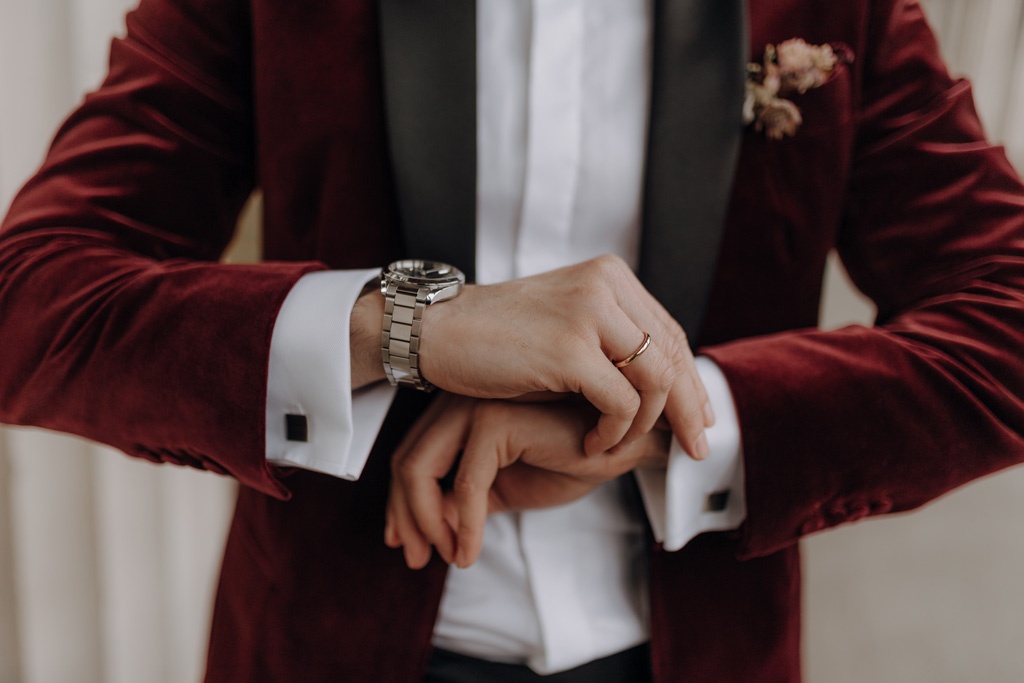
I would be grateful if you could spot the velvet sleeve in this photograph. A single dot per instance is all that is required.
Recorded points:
(845, 424)
(117, 322)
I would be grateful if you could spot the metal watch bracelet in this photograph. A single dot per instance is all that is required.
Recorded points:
(400, 335)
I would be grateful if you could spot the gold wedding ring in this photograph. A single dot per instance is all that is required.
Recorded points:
(636, 354)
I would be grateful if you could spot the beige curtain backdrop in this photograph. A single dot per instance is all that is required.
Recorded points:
(107, 564)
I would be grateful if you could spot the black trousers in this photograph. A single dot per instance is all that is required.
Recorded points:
(629, 666)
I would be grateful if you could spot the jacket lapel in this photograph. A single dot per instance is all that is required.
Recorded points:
(428, 52)
(699, 59)
(698, 67)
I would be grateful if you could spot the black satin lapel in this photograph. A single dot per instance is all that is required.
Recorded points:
(429, 60)
(698, 68)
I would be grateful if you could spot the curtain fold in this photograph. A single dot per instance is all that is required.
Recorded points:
(107, 564)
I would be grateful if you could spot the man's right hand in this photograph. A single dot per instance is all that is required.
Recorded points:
(559, 332)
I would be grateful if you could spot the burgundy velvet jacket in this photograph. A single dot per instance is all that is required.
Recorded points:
(118, 323)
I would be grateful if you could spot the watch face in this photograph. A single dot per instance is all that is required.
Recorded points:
(423, 272)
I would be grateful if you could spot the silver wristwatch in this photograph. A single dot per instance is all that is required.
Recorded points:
(408, 287)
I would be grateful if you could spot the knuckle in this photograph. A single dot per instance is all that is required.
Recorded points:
(665, 376)
(603, 262)
(608, 267)
(575, 347)
(607, 262)
(678, 333)
(678, 354)
(628, 405)
(682, 342)
(464, 487)
(669, 328)
(404, 468)
(591, 298)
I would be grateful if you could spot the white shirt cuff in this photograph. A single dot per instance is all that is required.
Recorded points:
(690, 496)
(310, 380)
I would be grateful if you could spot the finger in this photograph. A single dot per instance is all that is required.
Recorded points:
(700, 390)
(626, 414)
(617, 400)
(702, 395)
(646, 365)
(479, 468)
(688, 409)
(685, 413)
(397, 458)
(401, 531)
(414, 544)
(399, 526)
(430, 459)
(424, 499)
(451, 514)
(653, 375)
(686, 396)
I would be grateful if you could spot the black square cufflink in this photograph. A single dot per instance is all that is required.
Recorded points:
(717, 501)
(296, 427)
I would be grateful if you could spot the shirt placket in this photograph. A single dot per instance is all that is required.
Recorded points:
(554, 122)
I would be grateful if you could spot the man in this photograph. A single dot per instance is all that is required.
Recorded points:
(105, 292)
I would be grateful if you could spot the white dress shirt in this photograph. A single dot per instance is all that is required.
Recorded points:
(562, 113)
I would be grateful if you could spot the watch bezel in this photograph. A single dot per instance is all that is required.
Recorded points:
(408, 271)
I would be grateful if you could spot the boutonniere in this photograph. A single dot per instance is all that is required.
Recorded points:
(794, 66)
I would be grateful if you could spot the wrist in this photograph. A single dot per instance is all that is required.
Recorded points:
(364, 339)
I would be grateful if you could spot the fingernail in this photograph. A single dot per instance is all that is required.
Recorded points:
(700, 448)
(709, 415)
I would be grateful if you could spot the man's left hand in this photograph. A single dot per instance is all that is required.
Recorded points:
(515, 456)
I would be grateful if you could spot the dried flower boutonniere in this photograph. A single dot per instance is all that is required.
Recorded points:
(794, 66)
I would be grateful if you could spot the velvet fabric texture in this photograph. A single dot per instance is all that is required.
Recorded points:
(119, 325)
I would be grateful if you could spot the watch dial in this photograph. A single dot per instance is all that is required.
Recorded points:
(432, 270)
